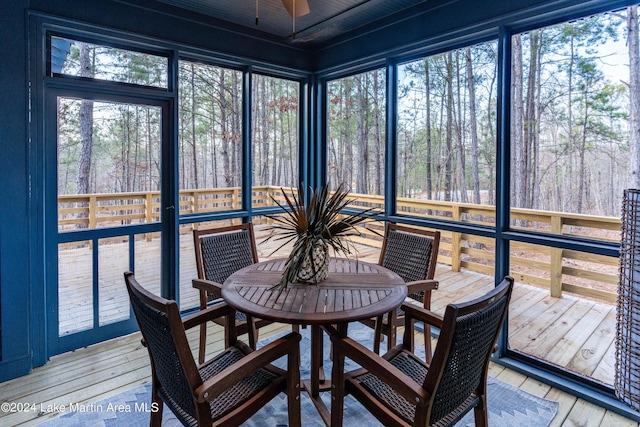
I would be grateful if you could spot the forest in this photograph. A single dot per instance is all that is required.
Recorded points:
(573, 140)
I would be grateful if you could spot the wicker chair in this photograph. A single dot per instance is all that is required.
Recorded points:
(400, 389)
(226, 390)
(221, 252)
(412, 254)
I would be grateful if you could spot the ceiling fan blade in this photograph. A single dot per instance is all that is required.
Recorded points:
(302, 7)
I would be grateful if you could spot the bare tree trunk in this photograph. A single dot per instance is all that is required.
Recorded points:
(535, 190)
(224, 123)
(264, 127)
(236, 137)
(274, 122)
(449, 128)
(379, 143)
(363, 154)
(86, 127)
(518, 165)
(529, 123)
(214, 154)
(429, 159)
(570, 191)
(194, 159)
(461, 154)
(347, 161)
(634, 97)
(474, 127)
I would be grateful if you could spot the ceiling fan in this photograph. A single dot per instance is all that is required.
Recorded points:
(296, 9)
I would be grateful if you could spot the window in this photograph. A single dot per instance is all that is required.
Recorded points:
(80, 59)
(570, 142)
(210, 138)
(447, 135)
(108, 164)
(569, 127)
(356, 135)
(274, 136)
(209, 153)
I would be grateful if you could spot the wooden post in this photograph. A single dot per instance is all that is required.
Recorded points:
(456, 242)
(148, 212)
(235, 198)
(555, 281)
(92, 212)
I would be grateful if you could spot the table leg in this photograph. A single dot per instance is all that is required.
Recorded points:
(313, 385)
(337, 381)
(317, 371)
(317, 382)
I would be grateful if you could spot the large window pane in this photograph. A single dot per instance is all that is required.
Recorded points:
(274, 136)
(356, 136)
(570, 124)
(446, 135)
(108, 164)
(570, 142)
(564, 310)
(210, 138)
(89, 60)
(75, 287)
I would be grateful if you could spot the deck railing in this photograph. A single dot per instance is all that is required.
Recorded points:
(559, 270)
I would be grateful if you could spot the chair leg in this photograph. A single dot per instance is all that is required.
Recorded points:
(377, 334)
(156, 410)
(252, 332)
(480, 413)
(203, 343)
(392, 329)
(427, 343)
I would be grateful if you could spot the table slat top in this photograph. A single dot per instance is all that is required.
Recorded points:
(354, 290)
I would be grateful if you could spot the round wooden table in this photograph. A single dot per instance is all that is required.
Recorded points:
(354, 290)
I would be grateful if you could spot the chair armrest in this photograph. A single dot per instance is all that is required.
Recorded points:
(208, 285)
(420, 314)
(211, 313)
(379, 367)
(252, 362)
(422, 285)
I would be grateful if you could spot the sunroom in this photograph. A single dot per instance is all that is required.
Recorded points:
(508, 127)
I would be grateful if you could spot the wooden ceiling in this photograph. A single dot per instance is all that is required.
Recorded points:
(327, 20)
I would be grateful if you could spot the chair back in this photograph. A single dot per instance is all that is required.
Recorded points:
(461, 358)
(222, 251)
(411, 253)
(172, 364)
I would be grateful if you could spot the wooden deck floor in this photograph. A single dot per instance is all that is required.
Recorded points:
(571, 332)
(91, 374)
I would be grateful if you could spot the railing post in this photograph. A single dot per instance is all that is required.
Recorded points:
(456, 242)
(555, 282)
(235, 198)
(195, 206)
(148, 212)
(93, 222)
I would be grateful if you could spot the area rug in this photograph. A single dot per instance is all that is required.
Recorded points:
(508, 406)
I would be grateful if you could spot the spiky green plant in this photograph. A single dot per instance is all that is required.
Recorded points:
(320, 220)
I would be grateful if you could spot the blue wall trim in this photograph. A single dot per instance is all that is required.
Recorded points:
(20, 365)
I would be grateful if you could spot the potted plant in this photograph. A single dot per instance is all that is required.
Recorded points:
(313, 228)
